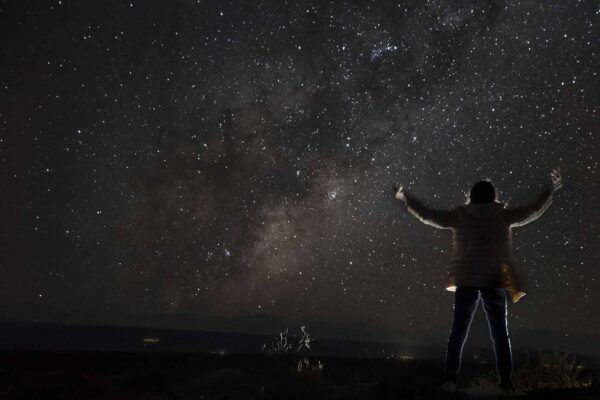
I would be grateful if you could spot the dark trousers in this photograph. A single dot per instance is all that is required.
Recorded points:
(494, 305)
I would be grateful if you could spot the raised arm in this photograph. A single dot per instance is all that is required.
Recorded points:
(442, 219)
(519, 216)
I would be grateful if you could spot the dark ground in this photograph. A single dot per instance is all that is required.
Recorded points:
(154, 375)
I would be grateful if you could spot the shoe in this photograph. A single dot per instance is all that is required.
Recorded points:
(507, 387)
(449, 386)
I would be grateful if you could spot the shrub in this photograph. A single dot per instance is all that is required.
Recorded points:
(553, 371)
(550, 370)
(309, 370)
(280, 344)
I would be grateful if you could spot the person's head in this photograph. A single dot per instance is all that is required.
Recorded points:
(483, 192)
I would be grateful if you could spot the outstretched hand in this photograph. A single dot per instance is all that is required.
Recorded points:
(556, 177)
(399, 192)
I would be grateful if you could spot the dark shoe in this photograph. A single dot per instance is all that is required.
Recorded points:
(449, 386)
(507, 387)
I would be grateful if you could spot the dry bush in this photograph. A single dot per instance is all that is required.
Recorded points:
(549, 370)
(309, 370)
(281, 344)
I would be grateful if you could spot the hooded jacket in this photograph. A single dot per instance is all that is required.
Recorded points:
(482, 253)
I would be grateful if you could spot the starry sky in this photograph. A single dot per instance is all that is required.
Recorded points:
(198, 161)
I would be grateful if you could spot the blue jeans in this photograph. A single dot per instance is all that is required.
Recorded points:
(494, 305)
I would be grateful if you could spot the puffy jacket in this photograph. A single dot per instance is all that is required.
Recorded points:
(482, 253)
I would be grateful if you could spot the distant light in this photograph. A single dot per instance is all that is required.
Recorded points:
(150, 340)
(406, 357)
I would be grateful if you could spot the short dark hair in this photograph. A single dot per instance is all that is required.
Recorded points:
(483, 192)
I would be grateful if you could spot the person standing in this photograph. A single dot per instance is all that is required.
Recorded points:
(482, 265)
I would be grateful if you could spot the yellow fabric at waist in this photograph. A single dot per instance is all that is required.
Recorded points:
(508, 282)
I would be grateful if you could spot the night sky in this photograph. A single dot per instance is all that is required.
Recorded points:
(179, 162)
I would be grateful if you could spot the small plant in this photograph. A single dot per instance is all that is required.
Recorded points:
(549, 371)
(552, 371)
(280, 344)
(305, 341)
(308, 370)
(294, 356)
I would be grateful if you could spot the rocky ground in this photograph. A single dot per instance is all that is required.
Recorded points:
(147, 375)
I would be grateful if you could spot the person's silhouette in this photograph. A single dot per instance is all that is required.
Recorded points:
(481, 265)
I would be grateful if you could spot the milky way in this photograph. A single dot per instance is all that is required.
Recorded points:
(219, 159)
